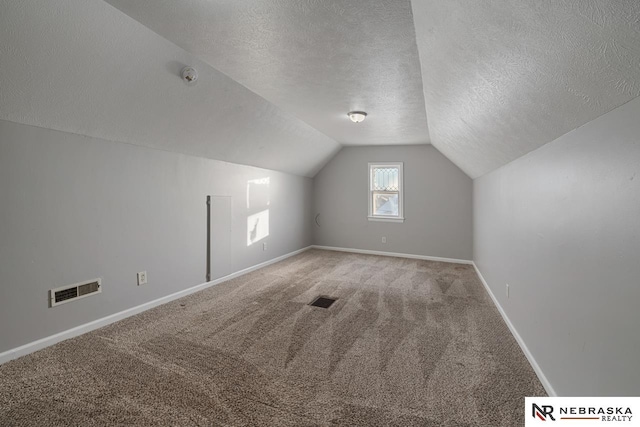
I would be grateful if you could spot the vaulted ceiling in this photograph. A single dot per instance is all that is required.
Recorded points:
(84, 67)
(484, 81)
(315, 59)
(503, 77)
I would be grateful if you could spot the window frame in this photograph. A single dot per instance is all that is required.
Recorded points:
(386, 218)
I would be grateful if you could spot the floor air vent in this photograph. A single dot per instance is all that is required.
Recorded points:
(323, 302)
(69, 293)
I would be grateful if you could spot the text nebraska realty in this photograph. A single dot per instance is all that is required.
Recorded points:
(607, 414)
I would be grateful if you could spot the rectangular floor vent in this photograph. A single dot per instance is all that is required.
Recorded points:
(69, 293)
(323, 302)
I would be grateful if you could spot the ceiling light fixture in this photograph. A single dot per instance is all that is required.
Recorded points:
(357, 116)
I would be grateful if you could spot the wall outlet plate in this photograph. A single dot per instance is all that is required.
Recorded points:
(507, 290)
(384, 240)
(264, 246)
(142, 278)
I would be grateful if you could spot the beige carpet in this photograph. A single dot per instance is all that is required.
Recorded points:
(408, 343)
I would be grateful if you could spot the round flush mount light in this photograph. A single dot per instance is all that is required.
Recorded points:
(357, 116)
(189, 75)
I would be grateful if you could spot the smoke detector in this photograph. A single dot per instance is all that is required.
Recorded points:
(189, 75)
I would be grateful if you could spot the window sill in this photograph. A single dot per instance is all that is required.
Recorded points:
(385, 219)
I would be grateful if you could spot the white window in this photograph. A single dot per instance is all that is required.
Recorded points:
(386, 197)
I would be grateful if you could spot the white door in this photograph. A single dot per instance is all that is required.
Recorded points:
(219, 236)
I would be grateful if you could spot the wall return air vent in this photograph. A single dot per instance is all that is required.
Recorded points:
(70, 293)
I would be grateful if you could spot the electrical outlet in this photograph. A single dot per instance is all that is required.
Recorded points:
(264, 246)
(142, 278)
(384, 239)
(507, 290)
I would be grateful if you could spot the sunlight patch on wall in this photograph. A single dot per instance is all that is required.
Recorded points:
(257, 227)
(257, 209)
(258, 193)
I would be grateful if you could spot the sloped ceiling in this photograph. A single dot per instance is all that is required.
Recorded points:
(316, 59)
(503, 77)
(84, 67)
(498, 78)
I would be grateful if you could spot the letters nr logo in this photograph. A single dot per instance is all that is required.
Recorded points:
(543, 412)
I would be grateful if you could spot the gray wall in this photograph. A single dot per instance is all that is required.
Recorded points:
(438, 203)
(561, 225)
(74, 208)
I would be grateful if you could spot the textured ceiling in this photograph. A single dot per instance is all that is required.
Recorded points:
(316, 59)
(84, 67)
(503, 77)
(500, 77)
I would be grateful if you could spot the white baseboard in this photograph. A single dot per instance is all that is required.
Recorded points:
(99, 323)
(541, 376)
(393, 254)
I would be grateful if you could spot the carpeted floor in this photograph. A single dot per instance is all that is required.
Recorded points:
(408, 343)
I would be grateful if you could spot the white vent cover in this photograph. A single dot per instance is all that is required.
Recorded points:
(69, 293)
